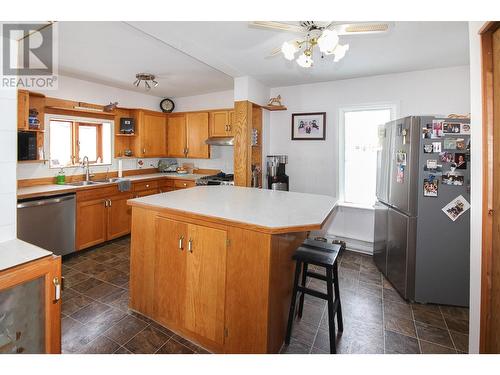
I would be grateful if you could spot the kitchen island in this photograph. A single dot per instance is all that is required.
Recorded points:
(213, 263)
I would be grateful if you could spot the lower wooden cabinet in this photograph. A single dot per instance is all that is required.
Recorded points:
(30, 307)
(190, 278)
(119, 216)
(103, 219)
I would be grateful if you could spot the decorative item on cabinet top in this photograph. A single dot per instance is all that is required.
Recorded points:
(274, 104)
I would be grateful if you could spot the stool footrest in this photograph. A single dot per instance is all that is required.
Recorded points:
(316, 275)
(312, 292)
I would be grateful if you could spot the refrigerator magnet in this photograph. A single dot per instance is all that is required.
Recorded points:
(456, 208)
(446, 157)
(460, 161)
(460, 144)
(428, 148)
(465, 129)
(450, 144)
(432, 164)
(451, 128)
(400, 175)
(437, 128)
(452, 178)
(401, 158)
(436, 146)
(431, 186)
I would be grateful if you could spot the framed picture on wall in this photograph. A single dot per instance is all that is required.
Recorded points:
(308, 126)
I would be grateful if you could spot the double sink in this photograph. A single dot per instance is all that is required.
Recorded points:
(95, 182)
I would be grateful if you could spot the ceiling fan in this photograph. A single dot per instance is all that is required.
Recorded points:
(324, 35)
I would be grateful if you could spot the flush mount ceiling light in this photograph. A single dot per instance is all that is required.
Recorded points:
(147, 78)
(320, 39)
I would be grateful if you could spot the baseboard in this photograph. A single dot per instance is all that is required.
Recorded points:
(352, 244)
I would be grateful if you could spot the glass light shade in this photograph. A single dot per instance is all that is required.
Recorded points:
(328, 41)
(305, 61)
(340, 52)
(288, 49)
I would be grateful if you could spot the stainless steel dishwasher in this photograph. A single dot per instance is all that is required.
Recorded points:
(48, 222)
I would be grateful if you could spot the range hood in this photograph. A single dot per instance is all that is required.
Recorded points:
(220, 141)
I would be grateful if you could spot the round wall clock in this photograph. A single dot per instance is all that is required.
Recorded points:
(167, 105)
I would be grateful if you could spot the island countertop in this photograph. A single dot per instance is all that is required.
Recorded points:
(269, 210)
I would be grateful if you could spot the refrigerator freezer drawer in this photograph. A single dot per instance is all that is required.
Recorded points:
(380, 236)
(401, 252)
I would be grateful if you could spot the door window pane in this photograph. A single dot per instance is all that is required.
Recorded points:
(360, 158)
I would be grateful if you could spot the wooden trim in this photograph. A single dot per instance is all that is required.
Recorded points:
(242, 143)
(490, 184)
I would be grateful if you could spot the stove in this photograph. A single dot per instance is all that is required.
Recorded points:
(216, 179)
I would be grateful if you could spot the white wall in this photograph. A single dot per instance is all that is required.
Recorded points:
(8, 157)
(476, 186)
(79, 90)
(313, 165)
(248, 88)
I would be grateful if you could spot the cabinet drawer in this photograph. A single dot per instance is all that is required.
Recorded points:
(97, 193)
(166, 182)
(183, 184)
(145, 193)
(146, 185)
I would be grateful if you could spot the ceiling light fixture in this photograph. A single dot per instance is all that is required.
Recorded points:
(148, 78)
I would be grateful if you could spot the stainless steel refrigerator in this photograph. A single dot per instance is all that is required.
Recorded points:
(420, 249)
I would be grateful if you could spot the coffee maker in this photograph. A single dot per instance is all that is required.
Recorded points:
(276, 177)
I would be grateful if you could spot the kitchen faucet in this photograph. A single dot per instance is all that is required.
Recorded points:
(85, 165)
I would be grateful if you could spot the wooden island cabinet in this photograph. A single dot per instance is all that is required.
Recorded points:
(213, 273)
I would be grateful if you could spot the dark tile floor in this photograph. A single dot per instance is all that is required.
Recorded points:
(376, 319)
(96, 318)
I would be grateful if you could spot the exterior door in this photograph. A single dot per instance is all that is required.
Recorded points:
(154, 135)
(91, 223)
(219, 122)
(196, 134)
(170, 270)
(30, 319)
(176, 136)
(205, 282)
(119, 216)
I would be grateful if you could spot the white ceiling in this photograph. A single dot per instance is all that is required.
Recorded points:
(113, 52)
(201, 57)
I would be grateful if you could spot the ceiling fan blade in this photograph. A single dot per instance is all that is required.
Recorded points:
(361, 28)
(277, 26)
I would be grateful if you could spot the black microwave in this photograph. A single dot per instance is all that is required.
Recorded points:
(26, 146)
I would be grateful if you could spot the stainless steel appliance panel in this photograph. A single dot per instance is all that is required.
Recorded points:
(48, 222)
(383, 163)
(401, 236)
(406, 140)
(381, 211)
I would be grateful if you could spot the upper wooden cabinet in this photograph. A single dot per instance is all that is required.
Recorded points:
(176, 135)
(196, 135)
(23, 110)
(27, 100)
(221, 123)
(152, 132)
(187, 133)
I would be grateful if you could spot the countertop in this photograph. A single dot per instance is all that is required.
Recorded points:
(53, 189)
(267, 209)
(16, 252)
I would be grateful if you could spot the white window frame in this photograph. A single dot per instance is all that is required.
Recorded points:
(48, 117)
(394, 108)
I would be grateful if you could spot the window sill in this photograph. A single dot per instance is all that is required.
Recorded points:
(366, 207)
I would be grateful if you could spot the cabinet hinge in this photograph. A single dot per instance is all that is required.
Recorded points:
(226, 332)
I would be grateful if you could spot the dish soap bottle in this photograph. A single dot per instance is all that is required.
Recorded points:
(61, 177)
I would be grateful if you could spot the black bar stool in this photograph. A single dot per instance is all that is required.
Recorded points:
(321, 254)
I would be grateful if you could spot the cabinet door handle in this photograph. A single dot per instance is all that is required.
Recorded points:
(190, 245)
(109, 202)
(57, 288)
(143, 150)
(105, 203)
(181, 245)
